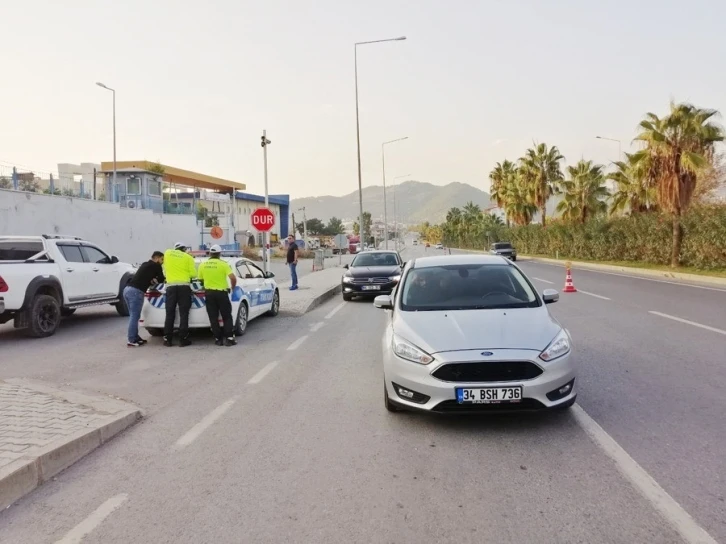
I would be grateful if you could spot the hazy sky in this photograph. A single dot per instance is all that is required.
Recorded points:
(475, 82)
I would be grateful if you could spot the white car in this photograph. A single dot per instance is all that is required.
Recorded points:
(439, 246)
(254, 295)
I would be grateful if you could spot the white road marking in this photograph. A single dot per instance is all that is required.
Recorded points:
(335, 310)
(681, 320)
(257, 378)
(544, 281)
(317, 326)
(592, 294)
(84, 528)
(297, 343)
(636, 277)
(658, 497)
(204, 424)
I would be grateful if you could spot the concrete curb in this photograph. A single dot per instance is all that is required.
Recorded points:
(661, 274)
(23, 475)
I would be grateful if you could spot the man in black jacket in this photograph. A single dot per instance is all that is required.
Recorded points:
(150, 273)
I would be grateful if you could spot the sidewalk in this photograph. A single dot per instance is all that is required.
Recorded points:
(44, 430)
(313, 289)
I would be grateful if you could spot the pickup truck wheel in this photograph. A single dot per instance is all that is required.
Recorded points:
(155, 332)
(44, 316)
(67, 312)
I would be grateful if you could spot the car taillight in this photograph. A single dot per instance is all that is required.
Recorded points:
(3, 285)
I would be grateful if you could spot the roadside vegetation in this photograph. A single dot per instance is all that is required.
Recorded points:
(662, 211)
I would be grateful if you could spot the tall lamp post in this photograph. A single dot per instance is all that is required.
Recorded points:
(395, 220)
(113, 91)
(611, 188)
(385, 197)
(357, 126)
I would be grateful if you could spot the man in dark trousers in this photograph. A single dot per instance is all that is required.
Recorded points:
(150, 273)
(180, 270)
(215, 272)
(292, 251)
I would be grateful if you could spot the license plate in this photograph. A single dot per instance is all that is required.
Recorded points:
(371, 287)
(488, 395)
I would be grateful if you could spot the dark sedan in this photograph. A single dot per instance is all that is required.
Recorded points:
(505, 249)
(371, 274)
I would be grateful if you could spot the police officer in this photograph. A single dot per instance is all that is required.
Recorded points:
(214, 273)
(179, 270)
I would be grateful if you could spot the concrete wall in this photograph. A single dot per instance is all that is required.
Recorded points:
(131, 235)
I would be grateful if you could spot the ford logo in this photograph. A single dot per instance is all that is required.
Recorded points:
(487, 353)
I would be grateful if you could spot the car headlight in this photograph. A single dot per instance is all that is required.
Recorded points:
(395, 278)
(406, 350)
(347, 279)
(558, 347)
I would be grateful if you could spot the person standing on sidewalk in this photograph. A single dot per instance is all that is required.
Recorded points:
(150, 273)
(292, 252)
(180, 269)
(214, 273)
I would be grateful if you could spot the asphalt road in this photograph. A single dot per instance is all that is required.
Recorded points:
(285, 438)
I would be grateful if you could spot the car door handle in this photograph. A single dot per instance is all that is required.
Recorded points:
(69, 270)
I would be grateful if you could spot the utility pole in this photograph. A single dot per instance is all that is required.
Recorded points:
(265, 235)
(305, 227)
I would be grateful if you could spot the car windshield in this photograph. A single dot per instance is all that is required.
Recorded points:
(467, 287)
(375, 259)
(502, 245)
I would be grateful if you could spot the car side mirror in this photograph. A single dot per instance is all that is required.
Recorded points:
(403, 264)
(346, 266)
(114, 259)
(384, 302)
(269, 275)
(550, 296)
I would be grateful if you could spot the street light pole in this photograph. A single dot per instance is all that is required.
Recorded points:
(620, 144)
(357, 128)
(385, 197)
(395, 220)
(113, 91)
(265, 235)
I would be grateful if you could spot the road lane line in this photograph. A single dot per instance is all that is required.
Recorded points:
(257, 378)
(297, 343)
(84, 528)
(681, 320)
(636, 277)
(204, 424)
(592, 294)
(544, 281)
(335, 310)
(658, 497)
(317, 326)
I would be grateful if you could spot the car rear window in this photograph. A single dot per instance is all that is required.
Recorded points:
(467, 287)
(19, 250)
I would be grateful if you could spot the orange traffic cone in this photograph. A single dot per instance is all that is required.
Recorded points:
(569, 286)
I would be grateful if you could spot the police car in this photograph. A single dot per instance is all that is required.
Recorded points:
(256, 294)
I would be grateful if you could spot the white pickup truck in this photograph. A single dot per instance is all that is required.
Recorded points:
(44, 278)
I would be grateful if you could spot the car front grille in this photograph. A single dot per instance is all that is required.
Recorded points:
(368, 281)
(488, 371)
(453, 407)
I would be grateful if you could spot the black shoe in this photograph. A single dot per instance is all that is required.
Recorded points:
(167, 342)
(230, 342)
(184, 342)
(219, 342)
(141, 341)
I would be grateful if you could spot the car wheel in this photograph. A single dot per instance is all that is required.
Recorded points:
(347, 298)
(514, 258)
(67, 312)
(240, 325)
(155, 332)
(45, 315)
(275, 309)
(387, 401)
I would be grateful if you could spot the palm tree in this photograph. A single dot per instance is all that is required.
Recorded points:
(542, 167)
(500, 177)
(679, 151)
(585, 192)
(634, 192)
(519, 207)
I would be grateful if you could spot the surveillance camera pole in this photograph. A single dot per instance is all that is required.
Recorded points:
(265, 235)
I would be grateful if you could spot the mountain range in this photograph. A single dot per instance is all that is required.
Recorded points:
(416, 202)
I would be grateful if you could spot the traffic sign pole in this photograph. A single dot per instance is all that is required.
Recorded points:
(265, 236)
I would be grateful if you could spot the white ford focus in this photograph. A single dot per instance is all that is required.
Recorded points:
(254, 295)
(469, 333)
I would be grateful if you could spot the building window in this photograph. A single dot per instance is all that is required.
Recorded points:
(133, 186)
(154, 188)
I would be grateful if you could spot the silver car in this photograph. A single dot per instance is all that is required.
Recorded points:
(469, 333)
